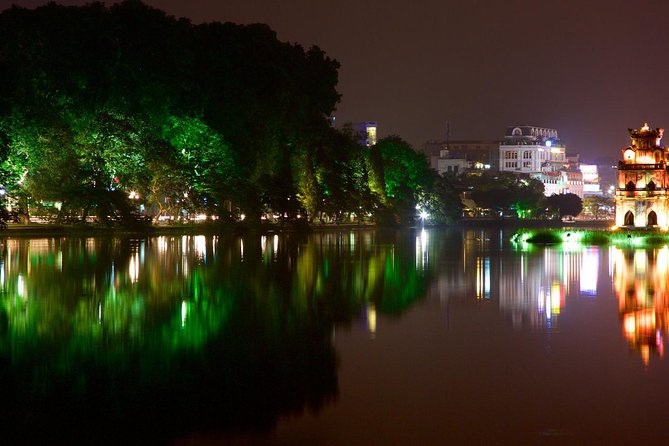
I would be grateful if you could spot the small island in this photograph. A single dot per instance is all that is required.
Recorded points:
(641, 208)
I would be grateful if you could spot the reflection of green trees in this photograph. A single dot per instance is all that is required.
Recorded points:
(171, 325)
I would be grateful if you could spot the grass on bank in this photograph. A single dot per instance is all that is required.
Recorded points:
(639, 237)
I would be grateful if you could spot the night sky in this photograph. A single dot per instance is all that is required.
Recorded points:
(590, 69)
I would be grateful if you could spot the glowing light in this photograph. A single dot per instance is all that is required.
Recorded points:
(629, 325)
(371, 319)
(133, 268)
(200, 246)
(133, 195)
(184, 313)
(162, 244)
(20, 287)
(421, 249)
(589, 270)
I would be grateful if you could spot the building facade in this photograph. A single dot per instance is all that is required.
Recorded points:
(531, 149)
(481, 154)
(366, 131)
(445, 164)
(561, 182)
(591, 186)
(641, 193)
(538, 152)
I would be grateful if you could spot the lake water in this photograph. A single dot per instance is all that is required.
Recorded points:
(337, 338)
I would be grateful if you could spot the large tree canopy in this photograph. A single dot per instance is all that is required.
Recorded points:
(104, 109)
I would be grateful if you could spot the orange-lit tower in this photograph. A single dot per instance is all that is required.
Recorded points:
(641, 196)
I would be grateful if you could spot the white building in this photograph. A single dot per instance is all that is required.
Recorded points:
(444, 164)
(538, 152)
(530, 149)
(590, 180)
(367, 132)
(561, 182)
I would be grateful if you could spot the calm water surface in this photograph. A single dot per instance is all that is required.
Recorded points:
(342, 338)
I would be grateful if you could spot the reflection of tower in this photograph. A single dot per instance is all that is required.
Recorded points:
(640, 282)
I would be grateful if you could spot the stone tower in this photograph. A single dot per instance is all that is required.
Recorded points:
(641, 195)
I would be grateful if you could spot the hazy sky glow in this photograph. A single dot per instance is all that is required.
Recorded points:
(589, 69)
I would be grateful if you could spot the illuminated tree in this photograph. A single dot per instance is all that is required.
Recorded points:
(406, 175)
(598, 207)
(505, 193)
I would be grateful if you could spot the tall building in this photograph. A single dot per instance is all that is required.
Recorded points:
(641, 193)
(538, 151)
(531, 149)
(367, 132)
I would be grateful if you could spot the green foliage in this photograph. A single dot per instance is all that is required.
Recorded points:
(100, 103)
(598, 207)
(406, 176)
(505, 193)
(441, 202)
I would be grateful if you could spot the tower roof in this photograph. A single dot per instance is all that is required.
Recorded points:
(645, 132)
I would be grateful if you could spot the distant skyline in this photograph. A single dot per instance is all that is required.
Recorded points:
(588, 69)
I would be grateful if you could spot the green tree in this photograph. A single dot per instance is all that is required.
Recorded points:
(598, 207)
(406, 176)
(505, 193)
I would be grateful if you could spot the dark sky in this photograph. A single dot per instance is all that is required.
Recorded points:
(589, 68)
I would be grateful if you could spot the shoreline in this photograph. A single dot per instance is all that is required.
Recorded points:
(50, 230)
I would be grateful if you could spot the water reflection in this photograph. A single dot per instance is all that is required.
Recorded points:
(641, 283)
(173, 334)
(530, 285)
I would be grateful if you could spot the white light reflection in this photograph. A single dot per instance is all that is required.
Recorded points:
(422, 254)
(20, 287)
(184, 313)
(483, 277)
(589, 271)
(201, 247)
(133, 270)
(276, 245)
(162, 244)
